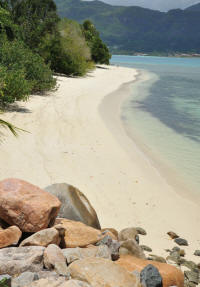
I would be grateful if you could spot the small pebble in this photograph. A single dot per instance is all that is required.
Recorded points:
(146, 248)
(197, 253)
(172, 234)
(181, 241)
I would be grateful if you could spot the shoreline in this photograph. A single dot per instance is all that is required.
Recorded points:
(116, 126)
(128, 138)
(70, 142)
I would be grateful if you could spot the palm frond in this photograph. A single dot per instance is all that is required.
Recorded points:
(11, 127)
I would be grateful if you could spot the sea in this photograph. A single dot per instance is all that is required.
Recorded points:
(163, 113)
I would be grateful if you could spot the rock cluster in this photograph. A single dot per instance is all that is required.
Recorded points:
(53, 238)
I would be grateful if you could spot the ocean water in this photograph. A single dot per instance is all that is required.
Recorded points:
(163, 112)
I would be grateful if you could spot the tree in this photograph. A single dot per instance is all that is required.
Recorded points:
(7, 27)
(36, 18)
(99, 51)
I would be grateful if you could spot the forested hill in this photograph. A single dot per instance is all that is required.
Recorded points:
(194, 8)
(135, 29)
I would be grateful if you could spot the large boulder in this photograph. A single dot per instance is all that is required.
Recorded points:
(27, 278)
(75, 205)
(150, 276)
(73, 254)
(171, 276)
(76, 283)
(26, 205)
(15, 260)
(54, 259)
(77, 234)
(100, 272)
(10, 236)
(60, 282)
(42, 238)
(113, 246)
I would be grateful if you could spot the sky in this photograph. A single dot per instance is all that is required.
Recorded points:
(162, 5)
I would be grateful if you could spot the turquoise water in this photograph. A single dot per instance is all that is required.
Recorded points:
(164, 112)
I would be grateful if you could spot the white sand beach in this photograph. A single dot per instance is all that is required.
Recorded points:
(76, 137)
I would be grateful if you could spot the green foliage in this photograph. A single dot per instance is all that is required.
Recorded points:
(4, 282)
(34, 42)
(35, 18)
(67, 51)
(7, 28)
(21, 72)
(74, 50)
(13, 130)
(13, 85)
(99, 51)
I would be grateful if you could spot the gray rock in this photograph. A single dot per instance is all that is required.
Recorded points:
(181, 241)
(146, 248)
(24, 279)
(27, 278)
(192, 276)
(141, 231)
(197, 253)
(5, 280)
(73, 254)
(107, 240)
(48, 274)
(75, 205)
(173, 260)
(129, 234)
(150, 277)
(189, 264)
(113, 246)
(54, 259)
(175, 248)
(15, 260)
(49, 282)
(131, 247)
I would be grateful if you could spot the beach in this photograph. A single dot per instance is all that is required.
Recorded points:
(75, 135)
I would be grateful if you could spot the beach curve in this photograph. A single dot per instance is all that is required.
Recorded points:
(70, 142)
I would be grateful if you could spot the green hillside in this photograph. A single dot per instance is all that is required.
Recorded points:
(135, 29)
(194, 8)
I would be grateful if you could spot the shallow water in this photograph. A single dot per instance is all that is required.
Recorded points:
(164, 112)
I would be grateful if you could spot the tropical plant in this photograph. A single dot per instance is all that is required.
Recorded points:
(99, 51)
(10, 126)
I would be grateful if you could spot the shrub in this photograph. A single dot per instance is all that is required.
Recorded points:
(13, 85)
(22, 72)
(99, 51)
(67, 50)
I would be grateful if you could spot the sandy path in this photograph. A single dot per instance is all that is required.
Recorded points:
(69, 142)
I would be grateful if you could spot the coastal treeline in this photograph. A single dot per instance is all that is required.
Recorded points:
(35, 43)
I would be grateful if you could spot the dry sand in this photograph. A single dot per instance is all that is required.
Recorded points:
(76, 136)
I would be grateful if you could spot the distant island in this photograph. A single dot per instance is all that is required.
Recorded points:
(132, 30)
